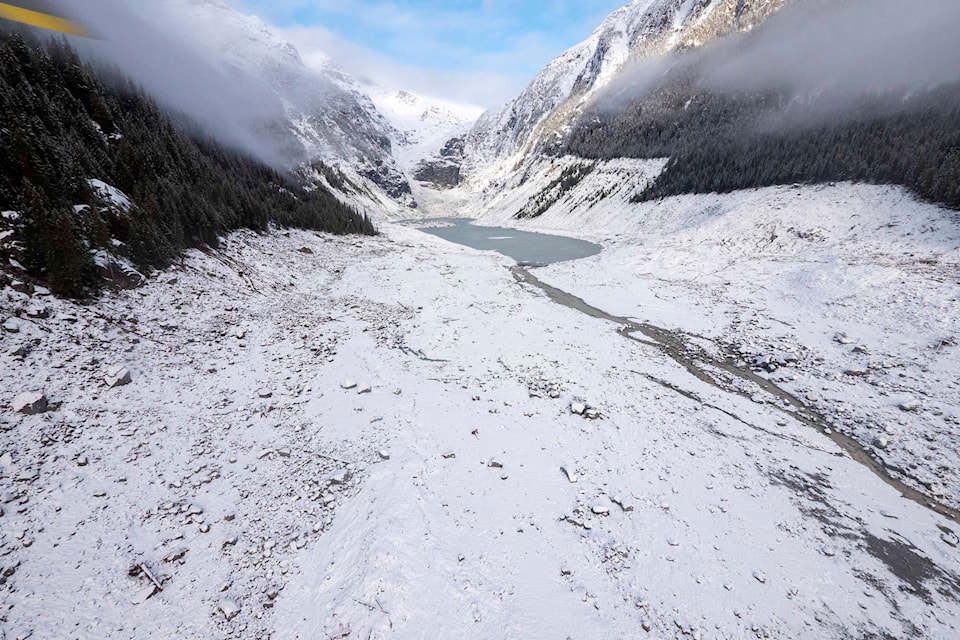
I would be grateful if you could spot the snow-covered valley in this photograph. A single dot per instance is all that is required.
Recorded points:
(396, 437)
(739, 419)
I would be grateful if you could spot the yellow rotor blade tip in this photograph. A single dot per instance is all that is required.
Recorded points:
(42, 20)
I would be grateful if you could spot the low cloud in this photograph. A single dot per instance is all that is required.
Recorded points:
(144, 40)
(853, 47)
(826, 54)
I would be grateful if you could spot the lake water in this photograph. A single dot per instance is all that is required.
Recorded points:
(523, 246)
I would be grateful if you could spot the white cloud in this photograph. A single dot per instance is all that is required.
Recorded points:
(483, 53)
(483, 88)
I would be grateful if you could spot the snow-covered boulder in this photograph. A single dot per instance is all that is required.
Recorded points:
(341, 477)
(22, 287)
(909, 405)
(229, 608)
(30, 403)
(12, 325)
(38, 311)
(117, 377)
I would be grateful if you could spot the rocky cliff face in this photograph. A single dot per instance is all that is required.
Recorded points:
(444, 170)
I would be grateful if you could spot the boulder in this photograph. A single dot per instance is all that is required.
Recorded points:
(622, 501)
(229, 608)
(22, 287)
(340, 477)
(117, 377)
(30, 403)
(38, 311)
(911, 404)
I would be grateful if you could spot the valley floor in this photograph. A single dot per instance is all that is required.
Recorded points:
(394, 438)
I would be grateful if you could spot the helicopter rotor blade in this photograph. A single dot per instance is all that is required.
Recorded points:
(41, 20)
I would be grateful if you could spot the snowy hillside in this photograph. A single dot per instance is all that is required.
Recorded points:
(642, 29)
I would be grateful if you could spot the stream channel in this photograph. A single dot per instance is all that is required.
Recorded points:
(532, 250)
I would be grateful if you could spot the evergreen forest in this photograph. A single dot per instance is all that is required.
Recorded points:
(720, 141)
(64, 124)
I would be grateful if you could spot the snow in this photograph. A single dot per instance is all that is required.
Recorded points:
(856, 282)
(321, 512)
(111, 194)
(424, 123)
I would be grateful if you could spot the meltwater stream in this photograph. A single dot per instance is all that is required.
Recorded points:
(537, 249)
(705, 368)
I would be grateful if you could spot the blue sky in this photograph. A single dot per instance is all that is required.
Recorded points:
(479, 51)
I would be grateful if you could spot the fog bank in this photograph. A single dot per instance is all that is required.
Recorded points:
(831, 53)
(148, 42)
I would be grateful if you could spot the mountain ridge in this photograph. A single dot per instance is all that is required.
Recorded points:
(326, 112)
(536, 119)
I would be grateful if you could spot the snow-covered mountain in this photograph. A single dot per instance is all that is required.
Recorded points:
(429, 134)
(640, 30)
(422, 124)
(327, 115)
